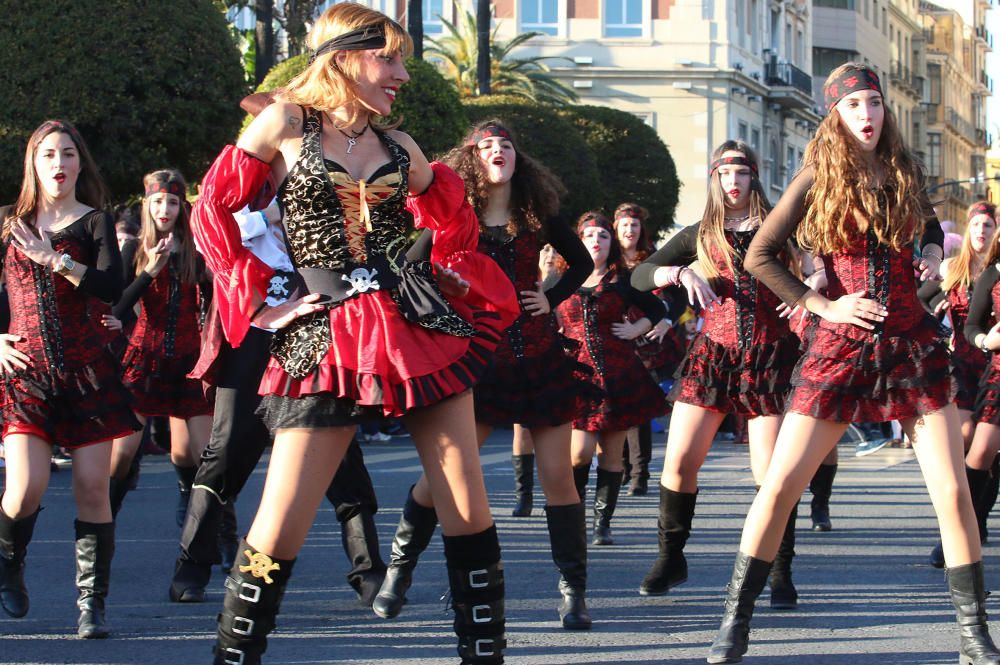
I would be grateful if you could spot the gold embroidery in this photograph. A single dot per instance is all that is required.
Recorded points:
(260, 566)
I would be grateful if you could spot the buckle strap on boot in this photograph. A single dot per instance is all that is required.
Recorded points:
(475, 577)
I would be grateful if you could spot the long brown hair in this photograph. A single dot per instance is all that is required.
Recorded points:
(712, 231)
(894, 213)
(324, 85)
(534, 190)
(643, 247)
(190, 269)
(90, 188)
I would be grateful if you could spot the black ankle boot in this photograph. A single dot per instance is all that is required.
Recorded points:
(360, 539)
(968, 594)
(475, 577)
(937, 555)
(185, 478)
(821, 487)
(95, 547)
(199, 547)
(254, 590)
(524, 484)
(673, 527)
(413, 535)
(581, 475)
(783, 593)
(749, 577)
(14, 538)
(229, 534)
(609, 484)
(568, 540)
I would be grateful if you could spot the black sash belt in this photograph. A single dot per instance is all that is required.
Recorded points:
(338, 286)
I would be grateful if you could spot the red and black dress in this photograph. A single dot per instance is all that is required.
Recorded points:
(165, 342)
(531, 381)
(902, 368)
(985, 301)
(742, 359)
(627, 396)
(71, 394)
(388, 340)
(968, 362)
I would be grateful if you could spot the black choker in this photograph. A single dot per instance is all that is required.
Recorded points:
(352, 139)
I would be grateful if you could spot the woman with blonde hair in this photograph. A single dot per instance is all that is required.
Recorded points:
(166, 277)
(376, 335)
(740, 362)
(873, 354)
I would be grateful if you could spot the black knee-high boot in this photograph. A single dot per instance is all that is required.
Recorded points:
(95, 547)
(673, 527)
(254, 589)
(639, 453)
(581, 475)
(229, 536)
(475, 577)
(117, 489)
(185, 478)
(749, 578)
(783, 593)
(609, 484)
(360, 539)
(524, 484)
(568, 540)
(199, 547)
(14, 538)
(988, 499)
(821, 487)
(413, 535)
(968, 594)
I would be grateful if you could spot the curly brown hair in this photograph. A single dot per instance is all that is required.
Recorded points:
(535, 191)
(893, 208)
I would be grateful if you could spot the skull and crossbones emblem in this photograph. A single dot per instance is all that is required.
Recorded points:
(261, 565)
(361, 280)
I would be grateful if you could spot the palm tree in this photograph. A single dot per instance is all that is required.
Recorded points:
(457, 53)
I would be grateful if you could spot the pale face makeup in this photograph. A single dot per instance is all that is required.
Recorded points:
(597, 240)
(629, 232)
(735, 181)
(981, 230)
(862, 113)
(57, 166)
(163, 210)
(498, 157)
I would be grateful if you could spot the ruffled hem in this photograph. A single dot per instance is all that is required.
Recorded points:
(539, 392)
(986, 406)
(630, 398)
(866, 378)
(74, 408)
(160, 387)
(751, 382)
(394, 393)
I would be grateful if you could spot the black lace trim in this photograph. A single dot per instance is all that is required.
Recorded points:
(745, 287)
(500, 246)
(49, 322)
(173, 310)
(878, 274)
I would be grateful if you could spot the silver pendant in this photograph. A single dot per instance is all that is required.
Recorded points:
(351, 142)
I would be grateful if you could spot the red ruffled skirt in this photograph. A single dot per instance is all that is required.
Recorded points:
(378, 358)
(849, 375)
(751, 382)
(69, 408)
(623, 397)
(986, 408)
(160, 387)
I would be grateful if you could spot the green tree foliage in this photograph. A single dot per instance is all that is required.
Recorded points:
(530, 78)
(429, 106)
(634, 163)
(542, 133)
(149, 84)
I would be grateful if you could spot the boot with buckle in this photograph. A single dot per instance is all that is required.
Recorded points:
(475, 578)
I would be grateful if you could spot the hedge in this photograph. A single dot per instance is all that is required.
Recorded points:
(148, 84)
(634, 163)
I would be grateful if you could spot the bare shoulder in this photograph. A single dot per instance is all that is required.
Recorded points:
(277, 123)
(405, 140)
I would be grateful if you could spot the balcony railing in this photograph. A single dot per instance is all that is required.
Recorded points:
(786, 74)
(961, 125)
(985, 35)
(905, 77)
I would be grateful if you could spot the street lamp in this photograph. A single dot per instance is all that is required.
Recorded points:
(974, 180)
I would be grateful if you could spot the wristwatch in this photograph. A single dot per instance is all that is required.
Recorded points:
(65, 265)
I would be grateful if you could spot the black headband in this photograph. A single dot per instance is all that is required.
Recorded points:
(852, 80)
(168, 186)
(364, 38)
(490, 131)
(739, 161)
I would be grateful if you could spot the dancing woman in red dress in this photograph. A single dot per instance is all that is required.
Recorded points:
(166, 277)
(375, 335)
(873, 355)
(60, 383)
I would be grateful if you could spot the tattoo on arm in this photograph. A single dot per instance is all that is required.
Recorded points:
(294, 121)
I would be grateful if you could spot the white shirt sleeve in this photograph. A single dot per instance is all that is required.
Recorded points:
(252, 224)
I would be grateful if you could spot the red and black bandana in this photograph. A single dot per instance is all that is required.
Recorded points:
(488, 132)
(633, 212)
(740, 161)
(166, 186)
(592, 219)
(982, 208)
(852, 80)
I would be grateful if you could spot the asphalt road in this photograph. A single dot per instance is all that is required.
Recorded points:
(867, 595)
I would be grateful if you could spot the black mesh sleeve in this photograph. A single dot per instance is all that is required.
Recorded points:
(981, 307)
(573, 251)
(680, 250)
